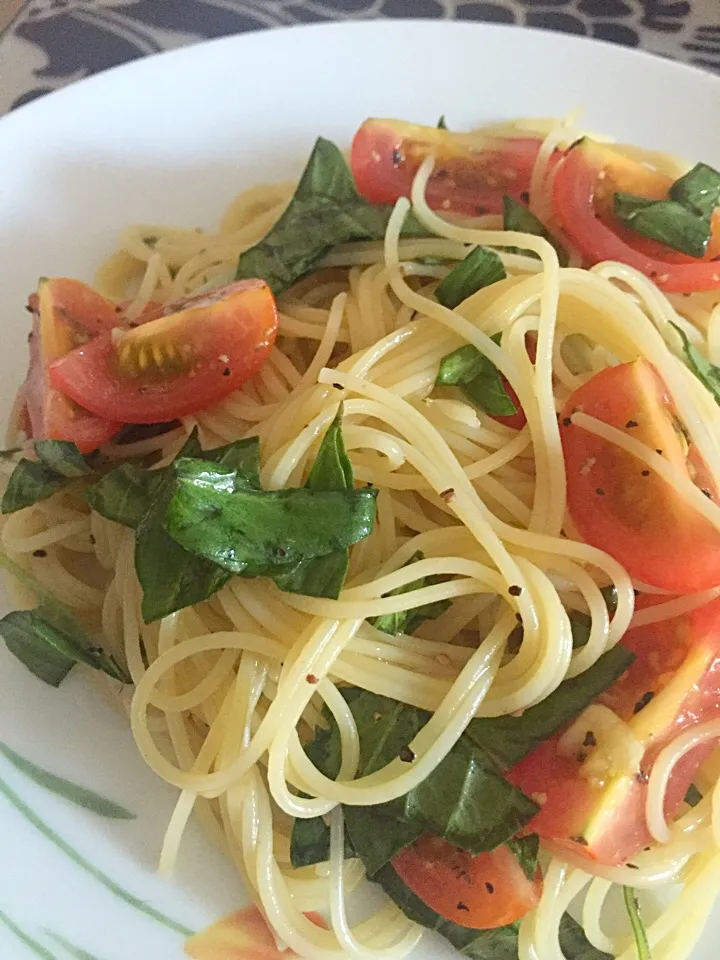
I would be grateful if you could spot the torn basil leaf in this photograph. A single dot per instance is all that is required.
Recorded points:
(58, 464)
(698, 190)
(638, 927)
(478, 378)
(325, 210)
(480, 268)
(406, 621)
(518, 217)
(666, 221)
(706, 372)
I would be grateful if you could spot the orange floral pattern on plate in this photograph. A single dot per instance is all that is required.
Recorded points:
(244, 935)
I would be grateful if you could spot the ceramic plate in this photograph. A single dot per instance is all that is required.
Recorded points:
(173, 138)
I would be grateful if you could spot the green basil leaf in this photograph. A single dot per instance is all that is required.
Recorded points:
(666, 221)
(406, 621)
(332, 469)
(508, 739)
(518, 217)
(59, 463)
(480, 268)
(248, 531)
(498, 944)
(126, 493)
(707, 373)
(638, 927)
(479, 379)
(698, 190)
(325, 210)
(50, 639)
(49, 653)
(693, 796)
(526, 850)
(376, 838)
(309, 842)
(575, 945)
(441, 124)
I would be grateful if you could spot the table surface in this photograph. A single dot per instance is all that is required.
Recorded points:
(50, 43)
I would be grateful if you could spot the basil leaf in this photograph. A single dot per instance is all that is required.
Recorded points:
(310, 842)
(50, 639)
(49, 653)
(325, 210)
(441, 125)
(575, 945)
(508, 739)
(59, 463)
(518, 217)
(250, 531)
(693, 796)
(479, 379)
(480, 268)
(666, 221)
(332, 469)
(707, 373)
(498, 944)
(526, 850)
(698, 190)
(376, 838)
(405, 621)
(126, 493)
(638, 928)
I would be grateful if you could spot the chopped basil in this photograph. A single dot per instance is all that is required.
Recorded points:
(58, 464)
(516, 216)
(638, 927)
(478, 378)
(706, 372)
(406, 621)
(480, 268)
(666, 221)
(325, 210)
(698, 190)
(693, 796)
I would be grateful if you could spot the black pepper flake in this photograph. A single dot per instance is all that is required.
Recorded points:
(118, 309)
(338, 386)
(311, 678)
(525, 196)
(39, 553)
(630, 424)
(447, 495)
(489, 887)
(29, 337)
(579, 839)
(566, 421)
(397, 158)
(515, 590)
(658, 451)
(93, 540)
(590, 739)
(279, 551)
(463, 906)
(632, 866)
(406, 755)
(369, 484)
(442, 174)
(645, 473)
(413, 315)
(642, 777)
(226, 372)
(581, 756)
(29, 308)
(600, 492)
(707, 493)
(518, 617)
(643, 701)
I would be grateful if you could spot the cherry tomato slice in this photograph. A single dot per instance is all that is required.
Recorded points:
(472, 171)
(621, 507)
(482, 892)
(177, 364)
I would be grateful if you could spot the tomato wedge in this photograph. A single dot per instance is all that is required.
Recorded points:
(620, 507)
(482, 892)
(472, 171)
(584, 219)
(673, 684)
(177, 364)
(65, 312)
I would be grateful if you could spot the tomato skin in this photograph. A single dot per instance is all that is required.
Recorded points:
(472, 172)
(574, 194)
(176, 364)
(65, 312)
(482, 892)
(616, 507)
(606, 822)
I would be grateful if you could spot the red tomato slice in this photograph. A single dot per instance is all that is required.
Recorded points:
(175, 365)
(66, 312)
(482, 892)
(636, 516)
(574, 196)
(472, 171)
(673, 684)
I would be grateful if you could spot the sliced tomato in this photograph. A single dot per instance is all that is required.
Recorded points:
(620, 507)
(481, 892)
(472, 171)
(581, 204)
(177, 364)
(66, 313)
(673, 684)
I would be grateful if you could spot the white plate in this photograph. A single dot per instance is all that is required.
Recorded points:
(173, 138)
